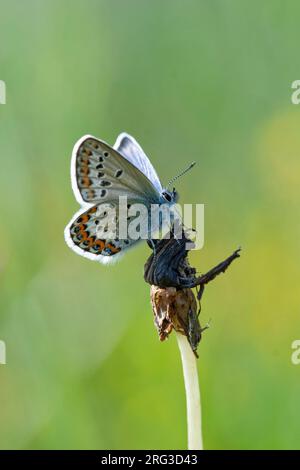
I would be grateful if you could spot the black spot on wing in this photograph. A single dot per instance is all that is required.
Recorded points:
(118, 173)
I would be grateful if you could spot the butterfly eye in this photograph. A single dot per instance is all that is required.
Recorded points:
(167, 196)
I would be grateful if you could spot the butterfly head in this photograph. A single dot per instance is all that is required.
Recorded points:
(169, 197)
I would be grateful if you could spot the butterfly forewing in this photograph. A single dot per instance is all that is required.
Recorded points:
(100, 173)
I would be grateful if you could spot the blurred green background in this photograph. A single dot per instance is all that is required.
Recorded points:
(192, 80)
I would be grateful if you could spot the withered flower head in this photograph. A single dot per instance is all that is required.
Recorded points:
(176, 308)
(172, 278)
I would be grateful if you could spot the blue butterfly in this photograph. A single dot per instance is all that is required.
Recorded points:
(99, 175)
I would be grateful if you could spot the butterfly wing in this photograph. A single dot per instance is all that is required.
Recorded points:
(88, 232)
(127, 146)
(99, 173)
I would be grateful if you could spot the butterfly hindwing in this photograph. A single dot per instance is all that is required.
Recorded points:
(88, 233)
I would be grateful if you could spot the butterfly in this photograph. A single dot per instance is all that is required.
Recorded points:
(99, 175)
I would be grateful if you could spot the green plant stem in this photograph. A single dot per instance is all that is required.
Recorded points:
(190, 374)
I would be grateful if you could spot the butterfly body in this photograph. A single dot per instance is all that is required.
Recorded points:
(100, 175)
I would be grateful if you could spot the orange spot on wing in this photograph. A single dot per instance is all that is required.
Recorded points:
(83, 219)
(99, 245)
(114, 249)
(90, 241)
(91, 194)
(86, 181)
(86, 151)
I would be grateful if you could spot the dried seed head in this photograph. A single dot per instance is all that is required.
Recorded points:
(176, 308)
(171, 277)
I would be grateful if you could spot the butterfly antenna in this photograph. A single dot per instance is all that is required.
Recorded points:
(181, 174)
